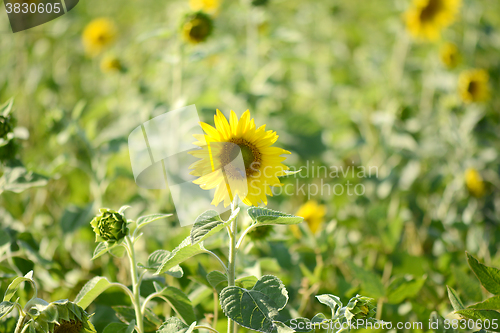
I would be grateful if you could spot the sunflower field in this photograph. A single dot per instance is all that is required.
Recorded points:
(333, 166)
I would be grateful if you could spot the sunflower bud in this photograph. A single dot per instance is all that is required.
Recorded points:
(109, 226)
(57, 317)
(257, 3)
(359, 307)
(197, 27)
(5, 126)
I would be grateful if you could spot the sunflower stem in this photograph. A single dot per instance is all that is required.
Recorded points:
(19, 323)
(135, 285)
(231, 267)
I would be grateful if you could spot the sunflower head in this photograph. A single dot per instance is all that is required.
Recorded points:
(237, 158)
(474, 182)
(313, 214)
(360, 307)
(98, 35)
(207, 6)
(449, 55)
(109, 226)
(197, 27)
(426, 18)
(57, 317)
(111, 64)
(473, 85)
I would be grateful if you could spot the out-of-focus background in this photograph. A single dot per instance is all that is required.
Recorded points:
(349, 86)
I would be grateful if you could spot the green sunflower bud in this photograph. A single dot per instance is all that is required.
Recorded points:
(261, 232)
(109, 226)
(6, 126)
(360, 307)
(57, 317)
(197, 27)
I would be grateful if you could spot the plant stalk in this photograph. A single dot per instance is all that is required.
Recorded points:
(136, 286)
(231, 267)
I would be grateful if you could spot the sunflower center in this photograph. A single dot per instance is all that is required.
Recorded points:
(199, 29)
(473, 88)
(71, 326)
(431, 10)
(251, 157)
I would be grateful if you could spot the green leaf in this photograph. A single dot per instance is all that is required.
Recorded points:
(265, 216)
(91, 290)
(6, 308)
(127, 315)
(17, 179)
(456, 302)
(102, 248)
(180, 303)
(492, 303)
(329, 300)
(155, 260)
(246, 282)
(403, 287)
(488, 276)
(208, 224)
(488, 316)
(371, 283)
(175, 325)
(181, 253)
(120, 328)
(145, 220)
(14, 285)
(6, 107)
(256, 308)
(470, 289)
(217, 280)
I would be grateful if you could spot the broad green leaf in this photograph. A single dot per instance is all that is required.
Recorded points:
(14, 285)
(100, 249)
(208, 224)
(370, 282)
(217, 280)
(318, 318)
(127, 315)
(492, 303)
(17, 179)
(257, 308)
(181, 253)
(488, 276)
(145, 220)
(175, 325)
(155, 260)
(487, 316)
(403, 287)
(329, 300)
(246, 282)
(5, 308)
(265, 216)
(456, 302)
(180, 303)
(91, 290)
(120, 328)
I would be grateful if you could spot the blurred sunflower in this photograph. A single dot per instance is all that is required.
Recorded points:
(473, 85)
(197, 27)
(426, 18)
(313, 214)
(450, 56)
(261, 163)
(111, 64)
(474, 182)
(98, 34)
(207, 6)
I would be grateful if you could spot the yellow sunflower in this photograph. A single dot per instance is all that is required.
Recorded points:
(98, 34)
(218, 167)
(474, 182)
(207, 6)
(473, 85)
(426, 18)
(197, 27)
(313, 214)
(111, 64)
(450, 55)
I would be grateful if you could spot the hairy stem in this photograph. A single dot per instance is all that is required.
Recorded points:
(135, 286)
(231, 267)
